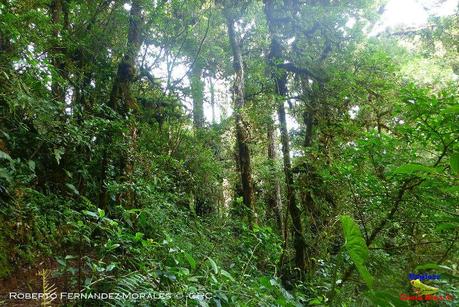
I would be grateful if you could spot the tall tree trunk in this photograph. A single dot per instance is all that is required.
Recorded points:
(280, 80)
(308, 172)
(121, 99)
(274, 196)
(53, 171)
(308, 118)
(57, 89)
(212, 97)
(242, 134)
(197, 93)
(6, 46)
(295, 213)
(312, 184)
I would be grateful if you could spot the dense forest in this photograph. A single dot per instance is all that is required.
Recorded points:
(228, 153)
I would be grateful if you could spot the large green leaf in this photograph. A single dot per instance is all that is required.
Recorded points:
(190, 260)
(4, 155)
(213, 264)
(356, 247)
(412, 168)
(454, 162)
(5, 174)
(432, 266)
(451, 110)
(446, 271)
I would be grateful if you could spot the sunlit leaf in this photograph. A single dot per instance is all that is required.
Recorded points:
(454, 162)
(190, 260)
(213, 264)
(356, 247)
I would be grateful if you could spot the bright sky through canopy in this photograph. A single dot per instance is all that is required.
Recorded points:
(412, 13)
(397, 13)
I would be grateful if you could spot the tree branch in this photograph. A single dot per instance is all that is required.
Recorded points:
(198, 52)
(301, 71)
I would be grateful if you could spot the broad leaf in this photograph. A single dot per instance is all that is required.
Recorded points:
(412, 168)
(213, 265)
(4, 155)
(190, 260)
(454, 162)
(356, 247)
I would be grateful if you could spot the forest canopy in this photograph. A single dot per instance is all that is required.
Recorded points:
(229, 153)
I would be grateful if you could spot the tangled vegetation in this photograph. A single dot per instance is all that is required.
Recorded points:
(227, 153)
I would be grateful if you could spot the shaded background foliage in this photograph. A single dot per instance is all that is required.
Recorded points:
(141, 191)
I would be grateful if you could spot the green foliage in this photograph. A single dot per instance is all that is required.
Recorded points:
(385, 298)
(454, 162)
(4, 261)
(356, 247)
(145, 201)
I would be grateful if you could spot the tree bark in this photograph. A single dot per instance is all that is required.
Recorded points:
(280, 89)
(242, 134)
(274, 196)
(212, 97)
(308, 171)
(121, 99)
(202, 207)
(308, 118)
(197, 93)
(5, 44)
(57, 90)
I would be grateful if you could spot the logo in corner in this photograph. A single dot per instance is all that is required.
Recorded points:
(424, 292)
(423, 289)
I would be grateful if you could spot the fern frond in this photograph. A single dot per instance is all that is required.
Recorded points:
(134, 282)
(48, 289)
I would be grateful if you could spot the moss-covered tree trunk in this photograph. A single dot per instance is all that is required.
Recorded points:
(242, 135)
(274, 194)
(121, 98)
(197, 93)
(280, 89)
(212, 97)
(57, 89)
